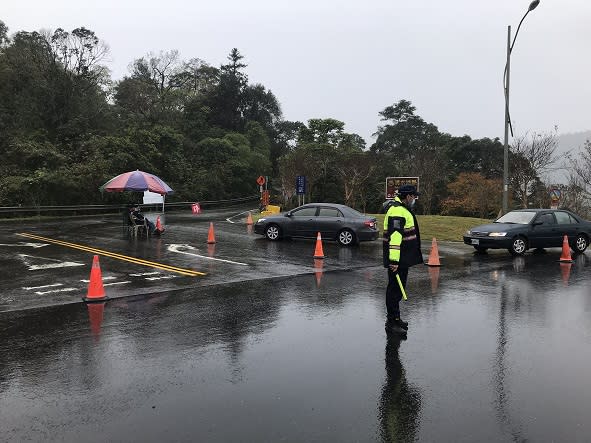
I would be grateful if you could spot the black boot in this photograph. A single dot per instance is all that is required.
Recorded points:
(399, 322)
(393, 327)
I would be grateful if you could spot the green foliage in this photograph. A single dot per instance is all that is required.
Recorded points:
(66, 128)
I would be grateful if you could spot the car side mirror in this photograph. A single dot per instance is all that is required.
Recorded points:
(537, 223)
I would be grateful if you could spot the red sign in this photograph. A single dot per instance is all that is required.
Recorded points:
(196, 208)
(265, 198)
(261, 180)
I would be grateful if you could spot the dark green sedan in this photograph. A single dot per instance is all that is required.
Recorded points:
(523, 229)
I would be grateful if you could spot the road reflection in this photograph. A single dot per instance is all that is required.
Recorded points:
(502, 400)
(400, 402)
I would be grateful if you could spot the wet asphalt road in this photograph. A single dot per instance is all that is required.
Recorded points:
(276, 349)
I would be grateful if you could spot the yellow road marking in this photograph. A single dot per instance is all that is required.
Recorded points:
(139, 261)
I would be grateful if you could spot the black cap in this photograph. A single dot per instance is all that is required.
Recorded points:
(408, 190)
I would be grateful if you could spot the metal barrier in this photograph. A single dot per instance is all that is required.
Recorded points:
(37, 211)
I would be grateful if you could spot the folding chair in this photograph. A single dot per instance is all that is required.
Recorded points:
(138, 226)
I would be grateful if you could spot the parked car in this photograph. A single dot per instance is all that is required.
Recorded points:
(333, 221)
(523, 229)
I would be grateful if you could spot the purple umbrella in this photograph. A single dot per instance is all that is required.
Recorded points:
(137, 181)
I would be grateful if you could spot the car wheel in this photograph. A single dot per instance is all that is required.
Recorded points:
(273, 232)
(480, 249)
(581, 243)
(519, 246)
(346, 237)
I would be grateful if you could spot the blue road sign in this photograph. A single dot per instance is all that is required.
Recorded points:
(301, 184)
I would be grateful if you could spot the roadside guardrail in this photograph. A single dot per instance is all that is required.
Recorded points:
(73, 210)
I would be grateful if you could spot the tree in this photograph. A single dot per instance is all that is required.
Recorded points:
(430, 166)
(412, 147)
(320, 140)
(153, 93)
(283, 140)
(197, 78)
(464, 154)
(292, 164)
(406, 133)
(355, 168)
(577, 195)
(227, 101)
(3, 34)
(582, 165)
(261, 106)
(531, 157)
(471, 194)
(79, 52)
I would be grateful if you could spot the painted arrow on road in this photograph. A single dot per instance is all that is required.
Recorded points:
(182, 249)
(53, 263)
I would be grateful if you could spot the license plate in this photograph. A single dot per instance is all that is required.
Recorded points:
(475, 241)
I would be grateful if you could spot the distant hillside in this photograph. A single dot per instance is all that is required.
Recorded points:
(573, 141)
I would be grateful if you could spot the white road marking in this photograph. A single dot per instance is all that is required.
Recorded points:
(229, 219)
(57, 290)
(42, 287)
(104, 278)
(141, 274)
(164, 277)
(176, 247)
(24, 244)
(117, 283)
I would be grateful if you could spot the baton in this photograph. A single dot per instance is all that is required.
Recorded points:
(401, 287)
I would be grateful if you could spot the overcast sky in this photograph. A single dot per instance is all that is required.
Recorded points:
(348, 59)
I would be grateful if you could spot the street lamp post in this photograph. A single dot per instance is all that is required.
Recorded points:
(533, 5)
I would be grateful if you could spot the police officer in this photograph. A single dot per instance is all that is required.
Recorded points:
(402, 249)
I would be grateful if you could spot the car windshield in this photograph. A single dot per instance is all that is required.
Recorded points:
(519, 217)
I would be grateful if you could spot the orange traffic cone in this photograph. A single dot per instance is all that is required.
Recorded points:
(434, 255)
(434, 274)
(565, 271)
(159, 225)
(565, 257)
(318, 264)
(210, 234)
(318, 253)
(96, 291)
(95, 316)
(249, 219)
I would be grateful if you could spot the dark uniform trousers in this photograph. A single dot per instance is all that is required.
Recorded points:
(393, 292)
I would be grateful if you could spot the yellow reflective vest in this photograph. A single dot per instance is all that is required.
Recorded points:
(402, 241)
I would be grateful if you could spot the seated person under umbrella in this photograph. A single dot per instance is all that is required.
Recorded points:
(137, 217)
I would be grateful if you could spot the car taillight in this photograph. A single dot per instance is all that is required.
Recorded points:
(370, 223)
